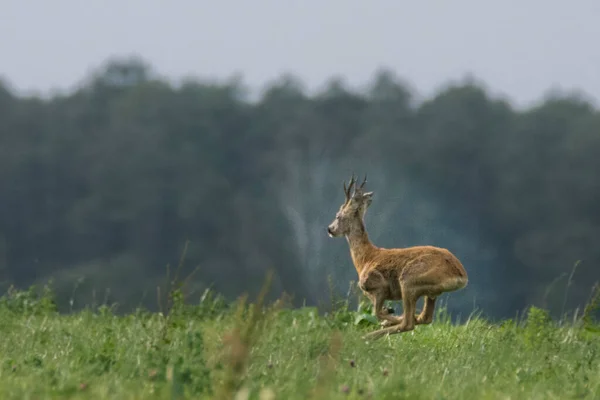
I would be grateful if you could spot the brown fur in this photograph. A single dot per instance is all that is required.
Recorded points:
(395, 274)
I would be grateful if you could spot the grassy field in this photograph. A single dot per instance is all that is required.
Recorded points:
(215, 350)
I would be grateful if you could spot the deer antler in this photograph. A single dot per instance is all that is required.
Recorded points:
(360, 188)
(349, 188)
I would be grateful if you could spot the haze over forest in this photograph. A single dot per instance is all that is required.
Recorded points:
(102, 186)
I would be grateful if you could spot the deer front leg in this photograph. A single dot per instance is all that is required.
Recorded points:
(408, 320)
(373, 284)
(382, 314)
(371, 298)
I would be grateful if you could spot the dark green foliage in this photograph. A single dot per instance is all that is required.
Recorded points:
(593, 306)
(29, 302)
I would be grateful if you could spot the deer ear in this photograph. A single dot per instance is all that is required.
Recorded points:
(368, 198)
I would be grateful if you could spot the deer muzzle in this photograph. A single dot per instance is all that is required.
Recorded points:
(329, 231)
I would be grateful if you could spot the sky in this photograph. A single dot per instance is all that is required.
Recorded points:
(519, 49)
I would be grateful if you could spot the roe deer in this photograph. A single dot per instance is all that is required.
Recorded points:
(394, 274)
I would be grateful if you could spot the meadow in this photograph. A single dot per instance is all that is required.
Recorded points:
(243, 350)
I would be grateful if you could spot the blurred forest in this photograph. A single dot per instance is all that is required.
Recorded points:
(102, 187)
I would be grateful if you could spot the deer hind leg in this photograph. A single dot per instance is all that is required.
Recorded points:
(409, 305)
(426, 316)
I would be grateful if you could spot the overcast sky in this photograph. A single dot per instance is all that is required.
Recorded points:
(519, 48)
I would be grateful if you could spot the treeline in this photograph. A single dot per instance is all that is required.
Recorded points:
(102, 188)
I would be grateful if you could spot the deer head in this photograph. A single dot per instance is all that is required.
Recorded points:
(352, 211)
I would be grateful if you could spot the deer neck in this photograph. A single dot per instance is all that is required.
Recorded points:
(361, 247)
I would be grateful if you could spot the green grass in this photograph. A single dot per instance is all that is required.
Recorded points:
(212, 350)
